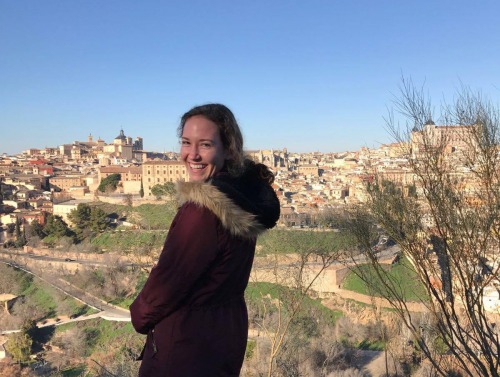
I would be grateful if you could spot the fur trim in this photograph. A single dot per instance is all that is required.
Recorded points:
(235, 219)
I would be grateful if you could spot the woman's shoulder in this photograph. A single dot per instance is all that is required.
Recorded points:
(232, 217)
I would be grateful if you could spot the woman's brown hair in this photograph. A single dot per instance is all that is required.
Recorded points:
(230, 134)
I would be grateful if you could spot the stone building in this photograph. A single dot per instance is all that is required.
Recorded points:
(455, 139)
(160, 172)
(308, 169)
(131, 177)
(65, 182)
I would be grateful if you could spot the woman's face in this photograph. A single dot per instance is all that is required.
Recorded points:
(201, 148)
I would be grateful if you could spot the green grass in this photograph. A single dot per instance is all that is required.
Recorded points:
(375, 345)
(52, 301)
(256, 292)
(123, 302)
(251, 344)
(283, 241)
(43, 296)
(77, 308)
(104, 340)
(130, 240)
(101, 333)
(75, 371)
(401, 276)
(104, 333)
(148, 216)
(156, 216)
(153, 221)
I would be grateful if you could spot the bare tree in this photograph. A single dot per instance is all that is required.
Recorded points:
(282, 316)
(15, 370)
(443, 210)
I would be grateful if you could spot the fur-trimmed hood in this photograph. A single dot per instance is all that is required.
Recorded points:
(246, 206)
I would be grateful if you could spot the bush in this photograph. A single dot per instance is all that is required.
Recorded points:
(109, 183)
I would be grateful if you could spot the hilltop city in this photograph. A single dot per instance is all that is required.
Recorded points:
(315, 251)
(38, 182)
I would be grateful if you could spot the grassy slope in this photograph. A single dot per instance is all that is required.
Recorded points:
(152, 219)
(285, 241)
(147, 216)
(51, 301)
(130, 240)
(402, 273)
(256, 291)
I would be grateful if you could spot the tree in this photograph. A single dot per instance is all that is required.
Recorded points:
(80, 216)
(15, 370)
(20, 234)
(56, 226)
(87, 220)
(282, 314)
(98, 222)
(445, 217)
(18, 228)
(109, 183)
(19, 346)
(331, 218)
(55, 229)
(36, 229)
(141, 191)
(166, 189)
(10, 228)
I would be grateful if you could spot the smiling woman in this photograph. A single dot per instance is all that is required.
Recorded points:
(192, 306)
(201, 148)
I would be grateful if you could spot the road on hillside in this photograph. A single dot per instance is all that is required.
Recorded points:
(86, 262)
(108, 311)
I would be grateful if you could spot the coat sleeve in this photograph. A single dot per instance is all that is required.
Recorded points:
(190, 248)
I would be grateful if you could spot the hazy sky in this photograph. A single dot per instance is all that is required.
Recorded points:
(307, 75)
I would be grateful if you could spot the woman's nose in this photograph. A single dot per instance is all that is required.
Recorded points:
(194, 153)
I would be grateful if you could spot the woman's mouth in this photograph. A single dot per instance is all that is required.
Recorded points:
(197, 166)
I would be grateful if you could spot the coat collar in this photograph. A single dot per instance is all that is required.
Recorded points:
(234, 218)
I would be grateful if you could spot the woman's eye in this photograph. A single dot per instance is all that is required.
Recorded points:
(184, 142)
(206, 145)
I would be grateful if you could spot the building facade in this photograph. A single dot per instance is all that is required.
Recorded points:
(160, 172)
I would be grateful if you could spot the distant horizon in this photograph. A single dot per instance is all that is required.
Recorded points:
(177, 151)
(133, 137)
(94, 138)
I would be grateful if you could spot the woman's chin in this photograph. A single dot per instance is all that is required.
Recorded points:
(197, 178)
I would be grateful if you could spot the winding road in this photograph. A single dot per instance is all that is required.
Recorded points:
(106, 310)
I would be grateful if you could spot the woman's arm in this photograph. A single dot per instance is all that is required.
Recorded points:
(191, 246)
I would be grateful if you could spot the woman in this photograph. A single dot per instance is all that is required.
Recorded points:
(192, 305)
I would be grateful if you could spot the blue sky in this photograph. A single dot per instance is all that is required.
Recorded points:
(307, 75)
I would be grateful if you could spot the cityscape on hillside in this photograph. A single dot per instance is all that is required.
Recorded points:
(38, 182)
(40, 188)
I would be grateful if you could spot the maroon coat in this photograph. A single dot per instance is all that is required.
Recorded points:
(192, 305)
